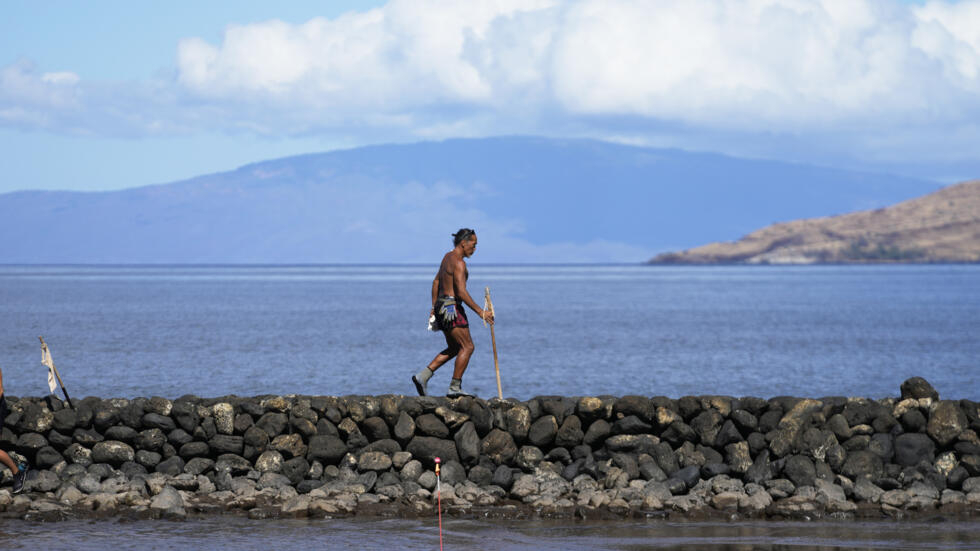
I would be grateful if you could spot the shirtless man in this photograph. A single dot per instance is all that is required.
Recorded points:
(448, 296)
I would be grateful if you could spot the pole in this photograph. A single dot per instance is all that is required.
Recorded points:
(493, 341)
(46, 354)
(439, 497)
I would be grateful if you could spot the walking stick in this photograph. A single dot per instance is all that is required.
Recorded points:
(488, 306)
(46, 360)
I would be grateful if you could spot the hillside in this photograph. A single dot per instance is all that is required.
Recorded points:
(940, 227)
(531, 199)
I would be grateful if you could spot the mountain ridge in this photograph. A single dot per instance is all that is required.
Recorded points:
(532, 199)
(943, 226)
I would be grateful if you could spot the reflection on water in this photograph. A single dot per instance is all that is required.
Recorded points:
(232, 533)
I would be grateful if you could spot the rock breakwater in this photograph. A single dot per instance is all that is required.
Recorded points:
(591, 457)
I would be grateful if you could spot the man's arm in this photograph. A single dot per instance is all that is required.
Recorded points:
(435, 291)
(459, 281)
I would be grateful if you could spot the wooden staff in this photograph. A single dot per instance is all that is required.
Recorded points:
(488, 307)
(46, 360)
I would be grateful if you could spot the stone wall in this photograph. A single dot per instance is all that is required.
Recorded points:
(644, 456)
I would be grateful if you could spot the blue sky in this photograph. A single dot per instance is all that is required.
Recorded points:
(113, 94)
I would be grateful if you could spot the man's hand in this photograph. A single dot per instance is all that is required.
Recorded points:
(487, 317)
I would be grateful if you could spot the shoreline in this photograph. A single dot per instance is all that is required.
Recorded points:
(573, 458)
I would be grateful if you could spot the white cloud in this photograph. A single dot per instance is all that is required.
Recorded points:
(862, 70)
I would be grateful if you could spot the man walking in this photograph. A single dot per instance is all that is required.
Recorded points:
(448, 296)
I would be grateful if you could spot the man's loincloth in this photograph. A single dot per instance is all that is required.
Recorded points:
(450, 314)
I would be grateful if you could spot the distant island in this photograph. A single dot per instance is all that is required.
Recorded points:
(943, 226)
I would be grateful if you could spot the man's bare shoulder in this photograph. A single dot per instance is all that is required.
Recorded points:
(452, 260)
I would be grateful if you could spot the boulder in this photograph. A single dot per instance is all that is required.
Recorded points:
(224, 417)
(404, 427)
(467, 443)
(273, 423)
(800, 470)
(427, 448)
(185, 415)
(597, 433)
(374, 461)
(375, 428)
(295, 469)
(429, 424)
(543, 431)
(918, 388)
(862, 463)
(168, 503)
(946, 422)
(326, 449)
(570, 433)
(499, 447)
(113, 452)
(517, 421)
(172, 466)
(224, 443)
(912, 448)
(290, 445)
(157, 421)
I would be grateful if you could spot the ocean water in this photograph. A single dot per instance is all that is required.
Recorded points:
(132, 331)
(237, 533)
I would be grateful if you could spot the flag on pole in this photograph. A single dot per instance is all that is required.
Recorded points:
(46, 360)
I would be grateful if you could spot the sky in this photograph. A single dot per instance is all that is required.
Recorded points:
(116, 94)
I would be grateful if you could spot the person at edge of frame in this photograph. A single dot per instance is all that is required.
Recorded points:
(448, 297)
(18, 470)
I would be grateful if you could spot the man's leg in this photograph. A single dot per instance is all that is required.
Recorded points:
(421, 379)
(19, 474)
(461, 335)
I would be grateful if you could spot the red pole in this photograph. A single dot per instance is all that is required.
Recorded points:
(439, 498)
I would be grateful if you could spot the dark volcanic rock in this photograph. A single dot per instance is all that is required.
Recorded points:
(173, 466)
(430, 425)
(194, 449)
(427, 448)
(910, 449)
(913, 421)
(499, 446)
(467, 443)
(404, 427)
(503, 476)
(273, 423)
(65, 420)
(946, 422)
(148, 459)
(570, 433)
(295, 469)
(543, 431)
(326, 449)
(47, 457)
(707, 424)
(375, 428)
(224, 443)
(185, 414)
(631, 424)
(862, 463)
(157, 421)
(689, 475)
(122, 433)
(918, 388)
(800, 470)
(597, 433)
(666, 458)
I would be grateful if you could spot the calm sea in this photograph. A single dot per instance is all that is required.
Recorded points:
(236, 533)
(573, 330)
